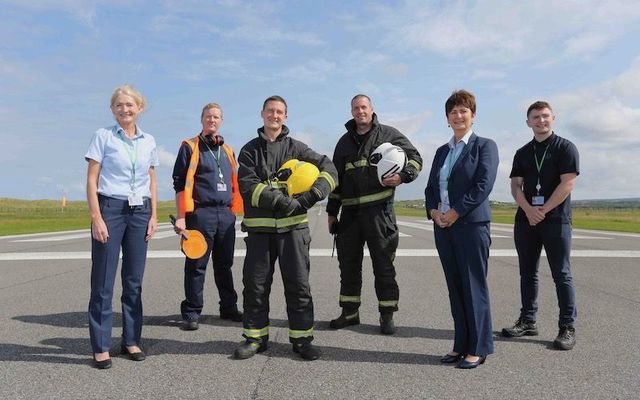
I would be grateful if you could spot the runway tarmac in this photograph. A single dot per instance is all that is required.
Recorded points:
(45, 352)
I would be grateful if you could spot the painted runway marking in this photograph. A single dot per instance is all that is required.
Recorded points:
(152, 254)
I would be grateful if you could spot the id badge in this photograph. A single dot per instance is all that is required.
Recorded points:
(222, 187)
(537, 200)
(135, 200)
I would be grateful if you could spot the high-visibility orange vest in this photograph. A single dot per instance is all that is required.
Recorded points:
(185, 198)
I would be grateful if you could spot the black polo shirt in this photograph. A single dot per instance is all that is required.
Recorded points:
(561, 158)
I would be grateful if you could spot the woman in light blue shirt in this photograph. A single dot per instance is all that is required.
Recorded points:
(122, 196)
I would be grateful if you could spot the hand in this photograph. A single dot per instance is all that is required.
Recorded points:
(436, 215)
(450, 217)
(331, 221)
(99, 230)
(535, 215)
(180, 226)
(392, 180)
(151, 228)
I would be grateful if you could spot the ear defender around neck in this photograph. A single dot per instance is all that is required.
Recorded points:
(211, 140)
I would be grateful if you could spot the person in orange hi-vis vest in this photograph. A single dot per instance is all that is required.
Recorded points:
(207, 200)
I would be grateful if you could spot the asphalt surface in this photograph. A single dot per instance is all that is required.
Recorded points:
(45, 351)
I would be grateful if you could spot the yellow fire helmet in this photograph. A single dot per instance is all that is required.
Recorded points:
(298, 176)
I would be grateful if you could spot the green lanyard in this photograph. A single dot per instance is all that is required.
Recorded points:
(539, 165)
(217, 159)
(133, 158)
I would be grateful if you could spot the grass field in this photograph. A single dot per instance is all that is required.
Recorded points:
(25, 216)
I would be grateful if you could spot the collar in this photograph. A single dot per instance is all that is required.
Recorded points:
(282, 135)
(351, 124)
(465, 139)
(545, 142)
(120, 130)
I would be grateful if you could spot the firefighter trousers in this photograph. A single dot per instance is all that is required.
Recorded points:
(291, 249)
(375, 226)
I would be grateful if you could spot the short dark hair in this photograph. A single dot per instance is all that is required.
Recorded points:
(538, 105)
(274, 98)
(361, 96)
(460, 98)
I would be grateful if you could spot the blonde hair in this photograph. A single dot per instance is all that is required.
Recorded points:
(211, 105)
(129, 90)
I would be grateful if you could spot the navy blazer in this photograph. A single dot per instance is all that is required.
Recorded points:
(471, 181)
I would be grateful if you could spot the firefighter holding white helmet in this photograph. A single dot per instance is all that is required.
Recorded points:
(280, 178)
(371, 159)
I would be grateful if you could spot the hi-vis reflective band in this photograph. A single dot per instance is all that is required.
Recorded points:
(294, 334)
(256, 333)
(349, 299)
(356, 164)
(388, 303)
(255, 196)
(275, 223)
(334, 196)
(329, 178)
(415, 164)
(368, 198)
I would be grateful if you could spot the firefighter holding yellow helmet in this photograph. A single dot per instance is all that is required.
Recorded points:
(280, 178)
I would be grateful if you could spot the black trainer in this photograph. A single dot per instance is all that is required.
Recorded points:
(387, 327)
(306, 351)
(249, 349)
(521, 328)
(566, 338)
(235, 316)
(190, 325)
(345, 320)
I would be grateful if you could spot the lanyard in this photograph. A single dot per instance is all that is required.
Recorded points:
(539, 165)
(133, 158)
(452, 160)
(217, 159)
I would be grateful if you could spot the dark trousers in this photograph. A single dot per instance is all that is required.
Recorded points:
(291, 249)
(127, 227)
(556, 240)
(464, 254)
(375, 226)
(217, 224)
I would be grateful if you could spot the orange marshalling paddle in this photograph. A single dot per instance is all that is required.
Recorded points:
(192, 242)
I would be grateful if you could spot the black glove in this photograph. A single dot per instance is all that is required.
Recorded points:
(308, 198)
(287, 205)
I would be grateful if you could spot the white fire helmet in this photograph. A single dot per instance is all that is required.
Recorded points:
(389, 159)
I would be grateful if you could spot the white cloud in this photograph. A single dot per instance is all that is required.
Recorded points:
(501, 31)
(166, 158)
(408, 124)
(312, 70)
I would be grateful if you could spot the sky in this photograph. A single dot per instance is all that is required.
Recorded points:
(61, 59)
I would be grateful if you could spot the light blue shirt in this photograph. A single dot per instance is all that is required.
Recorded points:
(454, 152)
(116, 178)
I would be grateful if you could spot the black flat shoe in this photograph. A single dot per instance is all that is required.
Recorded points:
(139, 356)
(451, 359)
(464, 364)
(104, 364)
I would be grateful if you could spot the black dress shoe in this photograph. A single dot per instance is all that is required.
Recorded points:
(464, 364)
(450, 359)
(235, 316)
(190, 325)
(104, 364)
(139, 356)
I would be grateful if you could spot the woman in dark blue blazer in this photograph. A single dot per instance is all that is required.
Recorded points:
(457, 199)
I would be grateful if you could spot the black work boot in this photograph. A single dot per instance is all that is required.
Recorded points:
(521, 328)
(249, 349)
(387, 326)
(345, 319)
(306, 351)
(566, 338)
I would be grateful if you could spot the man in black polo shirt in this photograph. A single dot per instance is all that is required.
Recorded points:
(544, 173)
